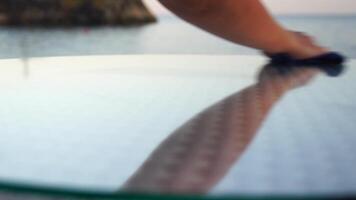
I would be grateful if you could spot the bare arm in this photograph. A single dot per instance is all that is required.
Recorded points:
(245, 22)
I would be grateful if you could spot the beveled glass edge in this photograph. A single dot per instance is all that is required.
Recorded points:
(17, 188)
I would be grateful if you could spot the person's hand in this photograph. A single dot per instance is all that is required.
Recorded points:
(309, 41)
(303, 46)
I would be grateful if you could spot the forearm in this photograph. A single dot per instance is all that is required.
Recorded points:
(245, 22)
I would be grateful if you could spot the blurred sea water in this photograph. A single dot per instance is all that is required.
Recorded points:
(169, 36)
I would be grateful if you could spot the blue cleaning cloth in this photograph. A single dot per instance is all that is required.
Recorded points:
(330, 70)
(331, 58)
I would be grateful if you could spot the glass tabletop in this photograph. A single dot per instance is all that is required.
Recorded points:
(101, 126)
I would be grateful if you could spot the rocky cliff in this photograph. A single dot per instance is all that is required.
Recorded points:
(74, 12)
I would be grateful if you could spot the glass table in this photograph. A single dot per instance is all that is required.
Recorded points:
(175, 126)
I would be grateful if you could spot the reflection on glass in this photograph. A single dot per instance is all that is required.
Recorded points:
(195, 157)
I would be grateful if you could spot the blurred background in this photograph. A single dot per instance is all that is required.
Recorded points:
(127, 27)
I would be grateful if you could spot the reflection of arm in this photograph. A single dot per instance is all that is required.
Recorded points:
(198, 154)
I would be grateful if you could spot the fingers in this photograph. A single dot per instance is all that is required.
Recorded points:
(309, 41)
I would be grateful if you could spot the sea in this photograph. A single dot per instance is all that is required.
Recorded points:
(169, 36)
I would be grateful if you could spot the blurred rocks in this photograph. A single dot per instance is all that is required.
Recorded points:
(74, 12)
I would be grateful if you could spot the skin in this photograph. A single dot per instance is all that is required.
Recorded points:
(196, 156)
(245, 22)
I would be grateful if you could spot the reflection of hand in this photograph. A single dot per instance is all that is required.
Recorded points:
(287, 78)
(196, 156)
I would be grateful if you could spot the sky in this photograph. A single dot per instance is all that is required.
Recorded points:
(323, 7)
